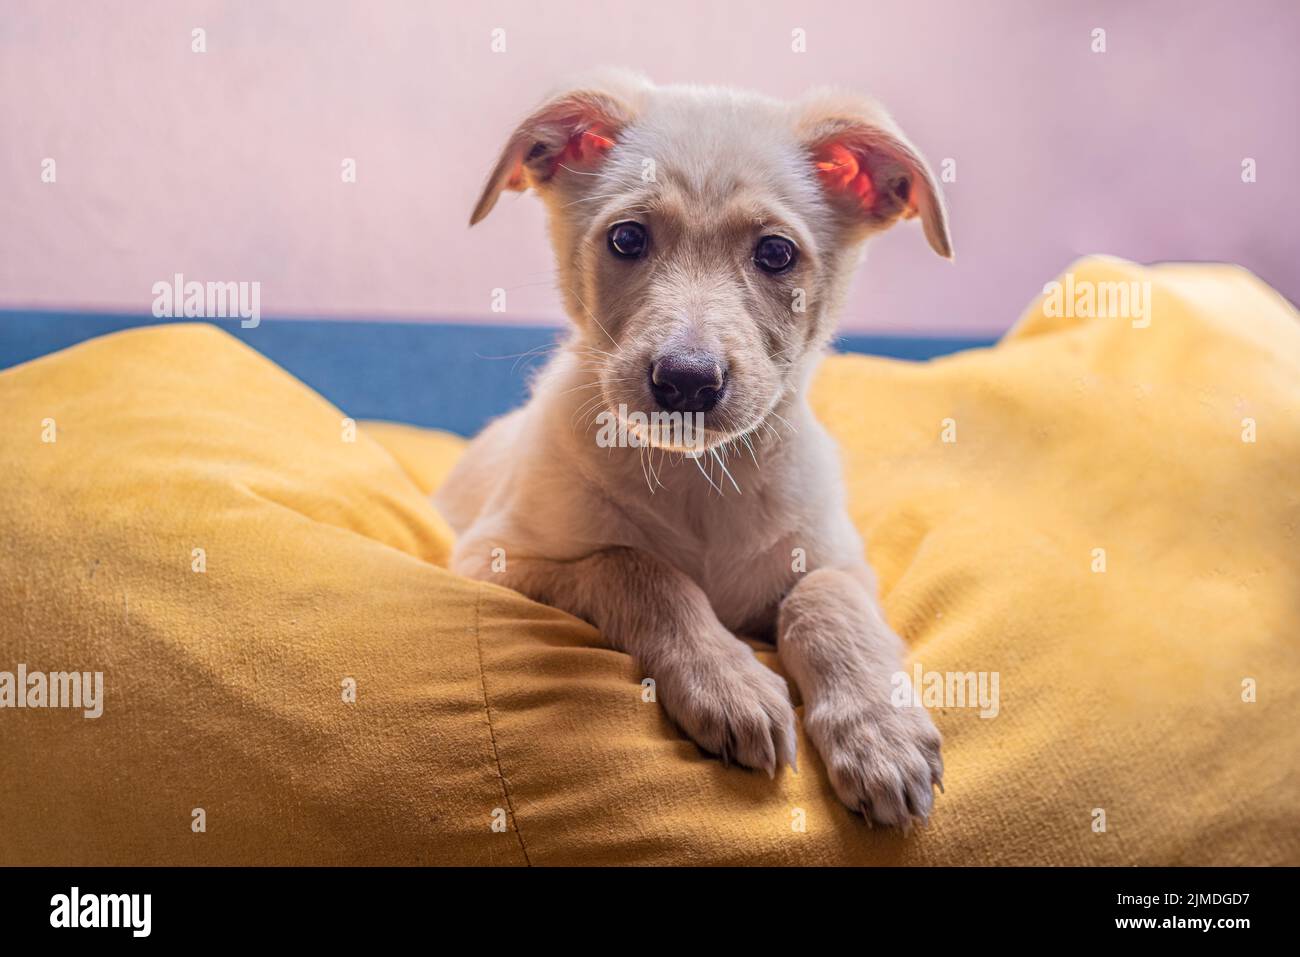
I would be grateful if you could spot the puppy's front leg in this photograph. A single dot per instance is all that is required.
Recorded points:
(708, 680)
(883, 759)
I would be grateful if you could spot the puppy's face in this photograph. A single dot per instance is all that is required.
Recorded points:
(704, 237)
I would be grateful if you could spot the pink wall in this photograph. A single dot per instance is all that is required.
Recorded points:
(226, 165)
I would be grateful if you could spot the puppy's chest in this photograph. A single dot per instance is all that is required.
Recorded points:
(745, 567)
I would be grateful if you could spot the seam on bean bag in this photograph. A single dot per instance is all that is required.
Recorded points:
(492, 736)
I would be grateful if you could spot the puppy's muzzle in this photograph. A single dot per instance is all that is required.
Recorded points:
(687, 381)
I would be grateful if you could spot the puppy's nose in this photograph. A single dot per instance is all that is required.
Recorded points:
(687, 381)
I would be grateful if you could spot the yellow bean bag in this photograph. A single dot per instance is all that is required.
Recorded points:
(1104, 514)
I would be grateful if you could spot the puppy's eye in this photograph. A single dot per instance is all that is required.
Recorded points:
(775, 255)
(628, 240)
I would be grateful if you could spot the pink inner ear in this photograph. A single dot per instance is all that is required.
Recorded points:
(841, 173)
(585, 148)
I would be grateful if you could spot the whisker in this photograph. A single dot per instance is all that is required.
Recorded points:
(580, 172)
(785, 420)
(594, 196)
(707, 478)
(725, 471)
(617, 347)
(593, 385)
(641, 458)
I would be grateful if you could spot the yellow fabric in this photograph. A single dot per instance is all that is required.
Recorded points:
(1120, 690)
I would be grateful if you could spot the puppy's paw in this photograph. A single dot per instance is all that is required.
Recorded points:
(883, 760)
(733, 706)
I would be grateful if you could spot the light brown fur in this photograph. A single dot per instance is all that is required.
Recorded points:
(672, 556)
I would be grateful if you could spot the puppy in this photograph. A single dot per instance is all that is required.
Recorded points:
(705, 239)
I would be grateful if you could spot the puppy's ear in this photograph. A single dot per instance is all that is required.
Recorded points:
(870, 172)
(568, 134)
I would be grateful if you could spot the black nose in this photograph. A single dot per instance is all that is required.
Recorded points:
(687, 381)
